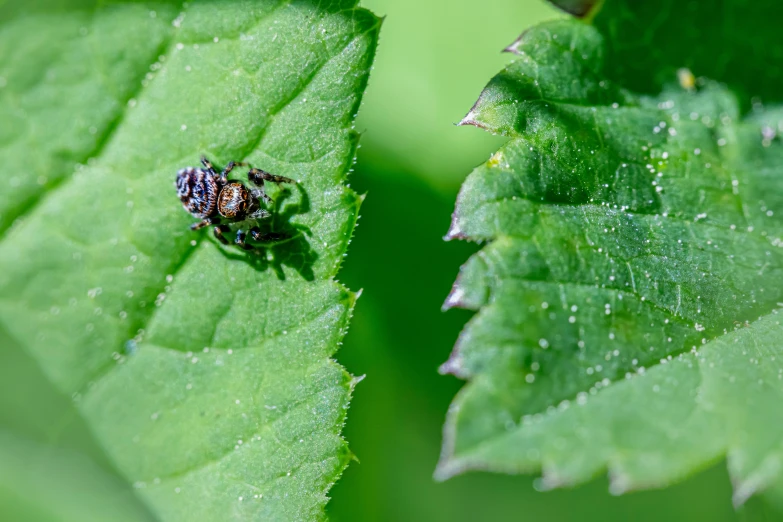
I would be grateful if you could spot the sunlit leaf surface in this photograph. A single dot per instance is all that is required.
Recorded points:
(204, 372)
(627, 295)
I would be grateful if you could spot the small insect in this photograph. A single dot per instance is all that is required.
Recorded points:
(216, 200)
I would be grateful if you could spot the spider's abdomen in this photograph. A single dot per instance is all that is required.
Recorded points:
(233, 201)
(198, 191)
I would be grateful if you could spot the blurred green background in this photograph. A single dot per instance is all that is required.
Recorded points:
(433, 60)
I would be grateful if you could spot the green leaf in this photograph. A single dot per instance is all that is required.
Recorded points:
(75, 488)
(53, 469)
(203, 372)
(627, 296)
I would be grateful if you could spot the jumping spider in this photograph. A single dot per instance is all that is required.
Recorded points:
(215, 200)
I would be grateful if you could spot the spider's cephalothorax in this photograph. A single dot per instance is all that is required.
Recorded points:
(215, 200)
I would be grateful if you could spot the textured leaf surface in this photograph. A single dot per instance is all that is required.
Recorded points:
(627, 297)
(204, 373)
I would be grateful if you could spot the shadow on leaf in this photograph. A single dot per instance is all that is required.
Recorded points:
(293, 250)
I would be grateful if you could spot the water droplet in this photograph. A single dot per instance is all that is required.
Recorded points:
(130, 347)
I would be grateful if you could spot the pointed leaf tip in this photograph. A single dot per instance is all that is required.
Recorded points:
(577, 8)
(455, 230)
(451, 367)
(356, 379)
(454, 300)
(514, 47)
(470, 119)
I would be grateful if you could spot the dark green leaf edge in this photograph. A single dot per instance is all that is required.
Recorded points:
(578, 8)
(472, 293)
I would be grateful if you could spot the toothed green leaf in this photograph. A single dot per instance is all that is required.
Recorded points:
(204, 372)
(628, 290)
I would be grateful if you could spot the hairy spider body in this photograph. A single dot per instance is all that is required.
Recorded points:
(198, 191)
(215, 200)
(234, 201)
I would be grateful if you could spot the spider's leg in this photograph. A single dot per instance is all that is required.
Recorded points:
(240, 240)
(256, 234)
(258, 176)
(259, 214)
(219, 230)
(259, 193)
(230, 167)
(204, 223)
(208, 167)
